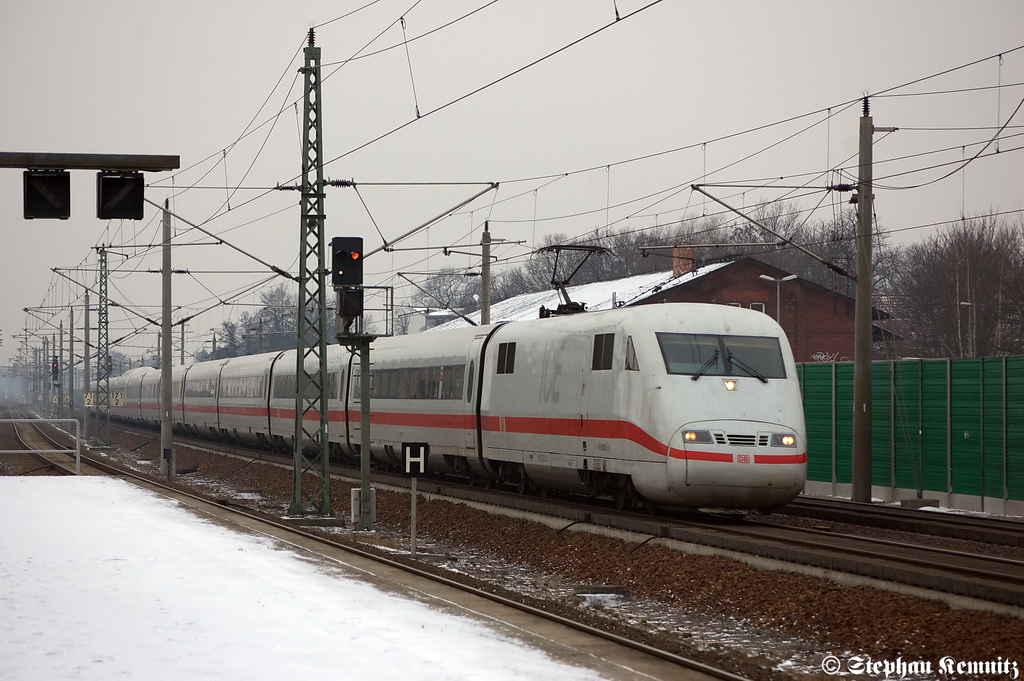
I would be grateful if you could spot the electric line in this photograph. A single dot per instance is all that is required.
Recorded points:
(490, 84)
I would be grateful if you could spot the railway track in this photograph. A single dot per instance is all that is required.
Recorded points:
(987, 578)
(617, 650)
(267, 488)
(36, 443)
(1003, 531)
(974, 574)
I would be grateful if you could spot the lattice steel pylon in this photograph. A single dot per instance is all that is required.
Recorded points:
(101, 393)
(311, 416)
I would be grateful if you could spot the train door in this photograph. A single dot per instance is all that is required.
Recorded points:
(471, 403)
(584, 403)
(353, 409)
(270, 373)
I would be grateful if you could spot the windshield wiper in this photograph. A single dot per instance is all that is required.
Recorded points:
(735, 360)
(705, 366)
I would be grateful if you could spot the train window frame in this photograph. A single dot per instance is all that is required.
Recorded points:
(506, 358)
(432, 382)
(632, 363)
(724, 355)
(204, 388)
(604, 351)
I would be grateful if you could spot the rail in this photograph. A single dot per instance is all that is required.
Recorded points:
(77, 450)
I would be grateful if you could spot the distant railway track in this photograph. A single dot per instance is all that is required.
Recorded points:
(31, 438)
(1003, 531)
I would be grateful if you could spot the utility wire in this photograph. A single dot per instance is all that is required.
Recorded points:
(272, 268)
(491, 84)
(408, 58)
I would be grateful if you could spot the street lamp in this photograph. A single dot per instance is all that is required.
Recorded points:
(970, 327)
(778, 285)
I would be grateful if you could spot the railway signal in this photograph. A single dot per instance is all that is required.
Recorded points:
(347, 261)
(120, 196)
(47, 194)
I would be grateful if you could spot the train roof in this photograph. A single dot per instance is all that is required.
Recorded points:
(597, 296)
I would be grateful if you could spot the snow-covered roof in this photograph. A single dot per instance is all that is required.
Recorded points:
(597, 296)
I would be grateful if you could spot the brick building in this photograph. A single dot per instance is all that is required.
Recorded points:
(818, 322)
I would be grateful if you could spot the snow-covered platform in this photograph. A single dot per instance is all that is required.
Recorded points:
(100, 579)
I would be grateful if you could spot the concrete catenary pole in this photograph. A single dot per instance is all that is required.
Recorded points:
(71, 362)
(48, 380)
(167, 460)
(485, 277)
(60, 374)
(86, 376)
(863, 314)
(862, 321)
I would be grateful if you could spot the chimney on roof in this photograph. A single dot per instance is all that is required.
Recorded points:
(682, 260)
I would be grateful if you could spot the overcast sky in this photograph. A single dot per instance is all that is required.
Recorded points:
(611, 130)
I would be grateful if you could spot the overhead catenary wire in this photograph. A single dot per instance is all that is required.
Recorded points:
(273, 268)
(966, 162)
(492, 83)
(872, 95)
(408, 57)
(725, 137)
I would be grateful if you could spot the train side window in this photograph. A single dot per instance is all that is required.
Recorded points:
(631, 362)
(604, 346)
(469, 387)
(506, 358)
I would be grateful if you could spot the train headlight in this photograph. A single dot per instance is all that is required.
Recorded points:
(783, 440)
(729, 384)
(702, 437)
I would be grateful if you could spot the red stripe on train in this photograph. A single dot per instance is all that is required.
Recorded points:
(522, 425)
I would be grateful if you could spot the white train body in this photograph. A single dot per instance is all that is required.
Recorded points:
(679, 404)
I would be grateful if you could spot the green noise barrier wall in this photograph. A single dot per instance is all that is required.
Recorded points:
(951, 427)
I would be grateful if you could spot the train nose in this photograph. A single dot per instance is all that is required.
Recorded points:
(767, 461)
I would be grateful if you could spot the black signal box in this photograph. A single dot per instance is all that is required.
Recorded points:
(120, 196)
(47, 194)
(347, 261)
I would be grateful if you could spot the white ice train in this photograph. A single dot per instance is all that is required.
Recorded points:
(679, 404)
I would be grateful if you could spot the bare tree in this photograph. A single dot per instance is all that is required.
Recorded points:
(962, 291)
(449, 289)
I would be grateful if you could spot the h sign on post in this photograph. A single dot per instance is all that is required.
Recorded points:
(415, 454)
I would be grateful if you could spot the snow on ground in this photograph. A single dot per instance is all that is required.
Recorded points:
(102, 580)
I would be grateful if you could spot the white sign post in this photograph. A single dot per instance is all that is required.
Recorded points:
(415, 464)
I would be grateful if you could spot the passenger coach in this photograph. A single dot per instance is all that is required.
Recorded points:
(679, 404)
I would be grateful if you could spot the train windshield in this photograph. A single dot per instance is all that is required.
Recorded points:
(699, 354)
